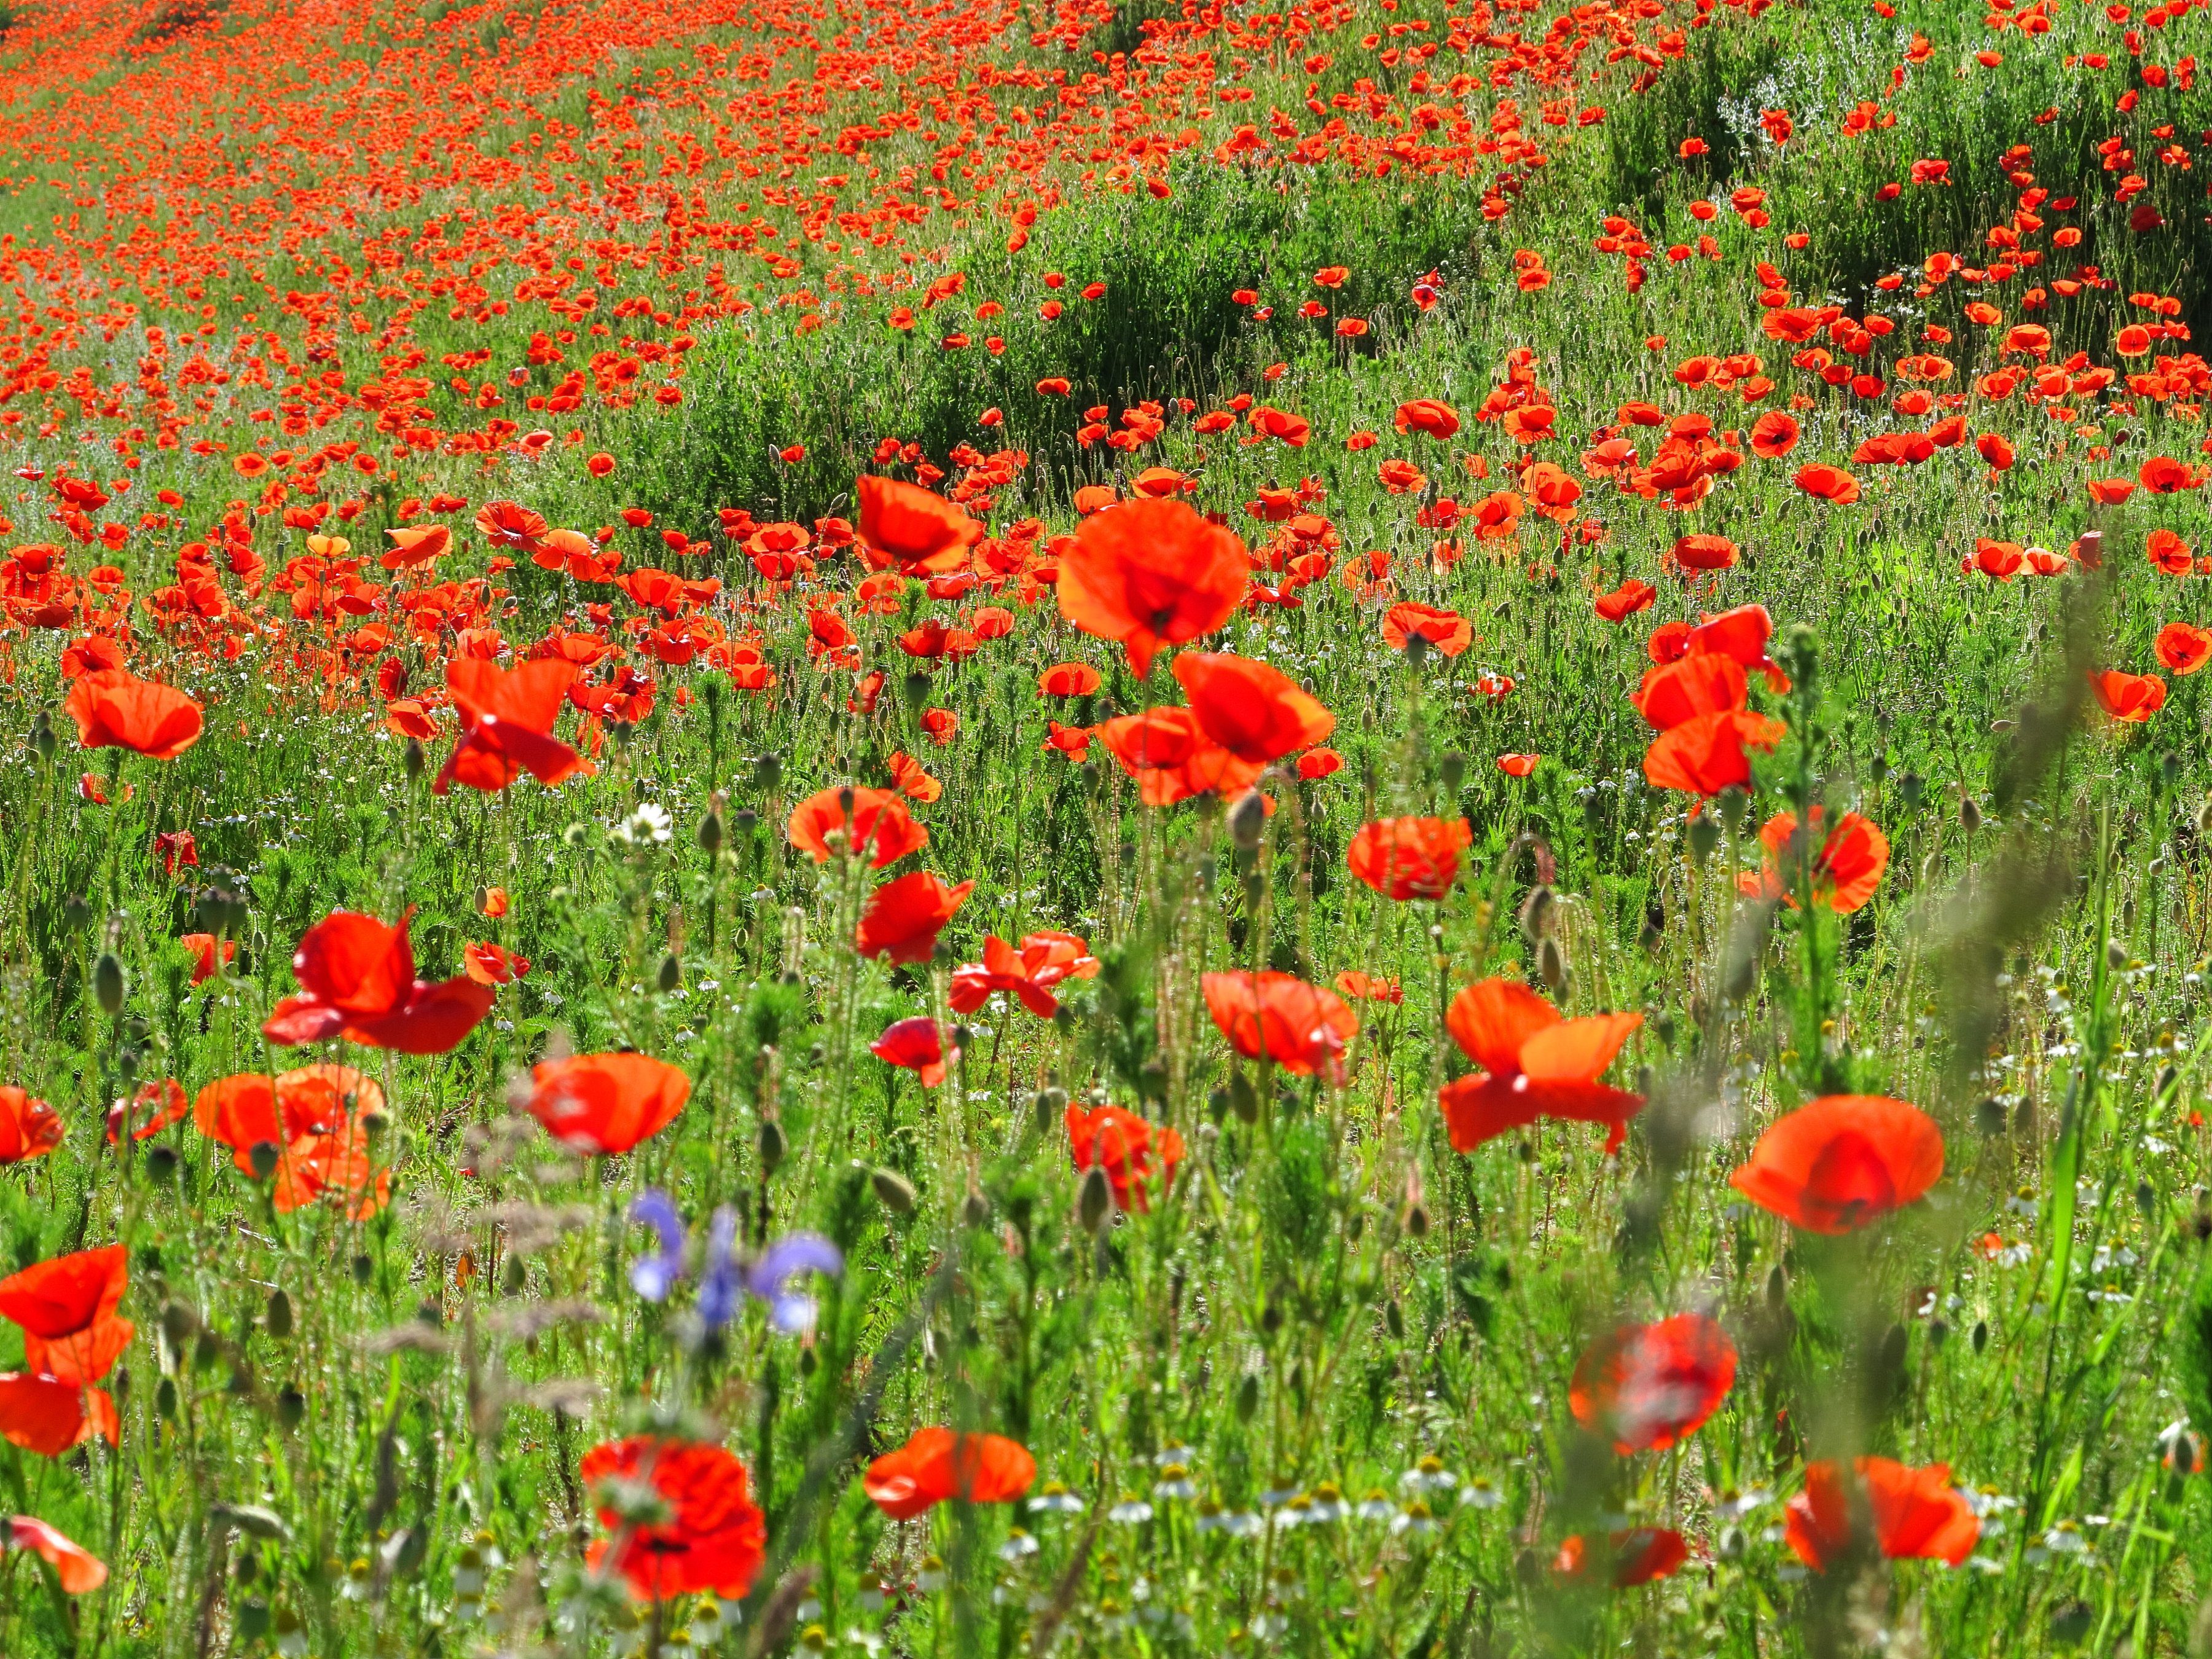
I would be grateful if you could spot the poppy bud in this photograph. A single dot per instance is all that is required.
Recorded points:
(894, 1191)
(161, 1163)
(412, 760)
(1248, 819)
(364, 1267)
(1394, 1318)
(2169, 768)
(107, 983)
(915, 689)
(1248, 1397)
(165, 1399)
(744, 820)
(1537, 912)
(1416, 649)
(263, 1157)
(207, 1349)
(1778, 1289)
(770, 1144)
(1909, 788)
(1990, 1116)
(1092, 777)
(291, 1409)
(77, 914)
(1705, 835)
(43, 741)
(672, 972)
(767, 774)
(975, 1209)
(710, 834)
(279, 1319)
(1939, 1332)
(513, 1277)
(178, 1322)
(1095, 1201)
(1243, 1099)
(1552, 965)
(1451, 771)
(1970, 815)
(1732, 1544)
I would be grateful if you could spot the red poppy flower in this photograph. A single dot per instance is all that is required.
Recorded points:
(2185, 647)
(1774, 434)
(1133, 1152)
(1741, 637)
(253, 1108)
(113, 709)
(2133, 698)
(28, 1129)
(357, 980)
(1257, 713)
(707, 1533)
(153, 1108)
(1518, 766)
(1915, 1514)
(1839, 1163)
(906, 526)
(1639, 1555)
(936, 1466)
(1172, 759)
(1279, 1018)
(48, 1417)
(1409, 858)
(1430, 415)
(878, 823)
(512, 527)
(488, 964)
(2170, 553)
(507, 724)
(1534, 1064)
(914, 1045)
(1363, 986)
(1003, 969)
(1152, 574)
(1846, 869)
(1710, 752)
(1318, 763)
(1830, 483)
(1624, 601)
(203, 949)
(904, 917)
(2110, 492)
(78, 1571)
(1993, 450)
(1646, 1387)
(603, 1105)
(1704, 553)
(1069, 679)
(1447, 631)
(66, 1306)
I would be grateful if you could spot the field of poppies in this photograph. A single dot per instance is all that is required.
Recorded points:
(1378, 829)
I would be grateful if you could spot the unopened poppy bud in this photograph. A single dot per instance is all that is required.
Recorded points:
(279, 1318)
(767, 774)
(1801, 653)
(1778, 1289)
(263, 1157)
(770, 1144)
(1248, 819)
(513, 1277)
(1537, 911)
(1416, 649)
(1909, 788)
(178, 1322)
(107, 983)
(1243, 1099)
(672, 972)
(161, 1163)
(43, 741)
(1451, 771)
(2116, 954)
(364, 1267)
(710, 834)
(1732, 1544)
(412, 760)
(1394, 1318)
(1990, 1116)
(914, 690)
(78, 915)
(975, 1209)
(894, 1191)
(744, 820)
(1705, 835)
(165, 1397)
(1092, 777)
(1248, 1397)
(1094, 1201)
(206, 1351)
(1970, 814)
(2169, 768)
(291, 1409)
(1552, 965)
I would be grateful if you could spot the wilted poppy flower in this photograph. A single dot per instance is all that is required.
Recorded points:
(2183, 646)
(1842, 1161)
(906, 526)
(1257, 713)
(1534, 1064)
(1133, 1153)
(1846, 869)
(904, 917)
(1409, 858)
(1447, 632)
(878, 823)
(603, 1105)
(113, 709)
(66, 1306)
(2133, 698)
(28, 1129)
(507, 724)
(703, 1533)
(76, 1569)
(1279, 1018)
(936, 1466)
(1915, 1514)
(1149, 573)
(49, 1417)
(1646, 1387)
(914, 1045)
(357, 980)
(1639, 1555)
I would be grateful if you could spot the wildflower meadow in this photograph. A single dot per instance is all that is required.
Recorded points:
(1352, 828)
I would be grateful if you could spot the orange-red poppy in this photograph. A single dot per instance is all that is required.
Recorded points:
(489, 963)
(1134, 1154)
(876, 822)
(113, 709)
(706, 1534)
(2133, 698)
(1255, 713)
(906, 526)
(203, 949)
(1830, 483)
(1646, 1387)
(76, 1569)
(1069, 679)
(1624, 601)
(507, 724)
(903, 917)
(2185, 647)
(1430, 415)
(1633, 1556)
(157, 1104)
(1845, 871)
(1841, 1162)
(937, 1466)
(603, 1105)
(1172, 759)
(915, 1045)
(1412, 858)
(1447, 632)
(28, 1127)
(1914, 1514)
(1518, 766)
(1533, 1064)
(1279, 1018)
(357, 980)
(66, 1306)
(49, 1417)
(1152, 574)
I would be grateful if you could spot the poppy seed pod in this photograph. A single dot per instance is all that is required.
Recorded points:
(894, 1191)
(1248, 819)
(1094, 1201)
(107, 983)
